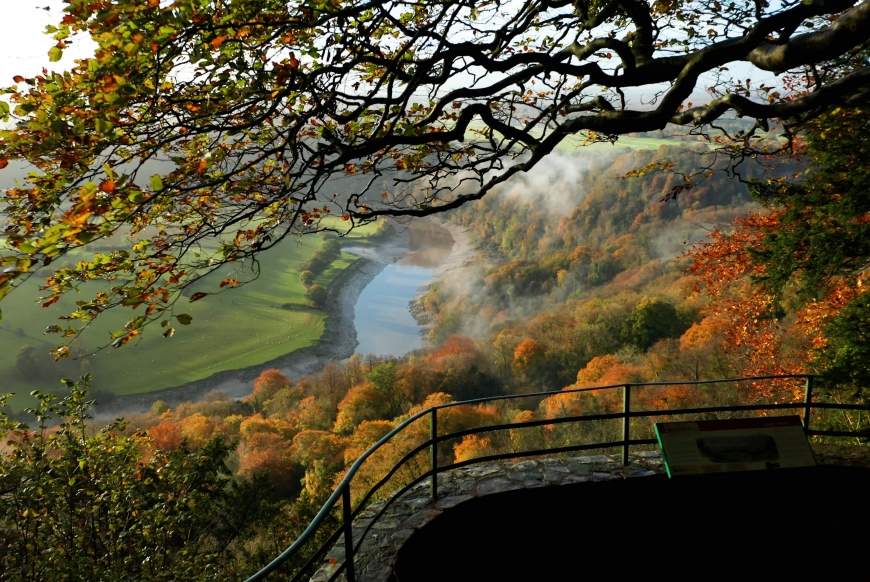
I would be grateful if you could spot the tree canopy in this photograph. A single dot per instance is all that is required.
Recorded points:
(806, 257)
(77, 506)
(206, 131)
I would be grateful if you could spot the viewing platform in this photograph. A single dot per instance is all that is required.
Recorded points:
(554, 518)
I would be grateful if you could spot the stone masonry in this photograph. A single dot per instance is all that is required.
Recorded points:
(378, 553)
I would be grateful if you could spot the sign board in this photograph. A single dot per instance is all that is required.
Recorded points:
(745, 444)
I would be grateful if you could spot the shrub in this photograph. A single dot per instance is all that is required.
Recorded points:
(104, 507)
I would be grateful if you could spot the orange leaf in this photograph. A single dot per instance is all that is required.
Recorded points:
(218, 41)
(197, 296)
(107, 186)
(18, 79)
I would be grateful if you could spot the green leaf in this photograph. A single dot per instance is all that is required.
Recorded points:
(156, 182)
(184, 319)
(103, 127)
(55, 54)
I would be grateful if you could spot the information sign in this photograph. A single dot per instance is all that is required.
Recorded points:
(745, 444)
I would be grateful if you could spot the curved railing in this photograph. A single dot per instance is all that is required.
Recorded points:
(342, 492)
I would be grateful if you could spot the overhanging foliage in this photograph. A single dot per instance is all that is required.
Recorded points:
(270, 118)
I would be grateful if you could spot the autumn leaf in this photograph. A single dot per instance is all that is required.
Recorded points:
(3, 163)
(218, 41)
(107, 186)
(197, 296)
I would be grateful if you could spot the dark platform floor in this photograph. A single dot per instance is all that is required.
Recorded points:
(796, 522)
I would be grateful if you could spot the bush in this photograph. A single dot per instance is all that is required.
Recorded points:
(27, 363)
(316, 294)
(101, 507)
(307, 278)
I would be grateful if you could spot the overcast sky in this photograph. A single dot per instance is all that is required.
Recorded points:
(23, 46)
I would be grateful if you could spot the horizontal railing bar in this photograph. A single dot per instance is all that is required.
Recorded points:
(617, 386)
(530, 423)
(620, 415)
(836, 406)
(840, 433)
(539, 452)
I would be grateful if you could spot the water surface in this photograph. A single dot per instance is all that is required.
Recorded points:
(382, 317)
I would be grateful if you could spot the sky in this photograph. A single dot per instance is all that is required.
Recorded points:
(23, 46)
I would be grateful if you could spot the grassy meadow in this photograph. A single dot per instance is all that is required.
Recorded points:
(235, 329)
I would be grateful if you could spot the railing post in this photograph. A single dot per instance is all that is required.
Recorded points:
(808, 402)
(626, 422)
(348, 535)
(433, 452)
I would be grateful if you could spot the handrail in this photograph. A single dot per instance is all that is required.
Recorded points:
(343, 491)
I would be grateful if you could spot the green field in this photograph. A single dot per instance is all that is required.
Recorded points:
(239, 328)
(575, 143)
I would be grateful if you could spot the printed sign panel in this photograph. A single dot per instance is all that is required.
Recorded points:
(746, 444)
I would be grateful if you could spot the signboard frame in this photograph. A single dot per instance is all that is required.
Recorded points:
(740, 444)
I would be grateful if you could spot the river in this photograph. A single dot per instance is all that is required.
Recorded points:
(382, 318)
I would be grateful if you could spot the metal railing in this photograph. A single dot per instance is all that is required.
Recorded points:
(342, 492)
